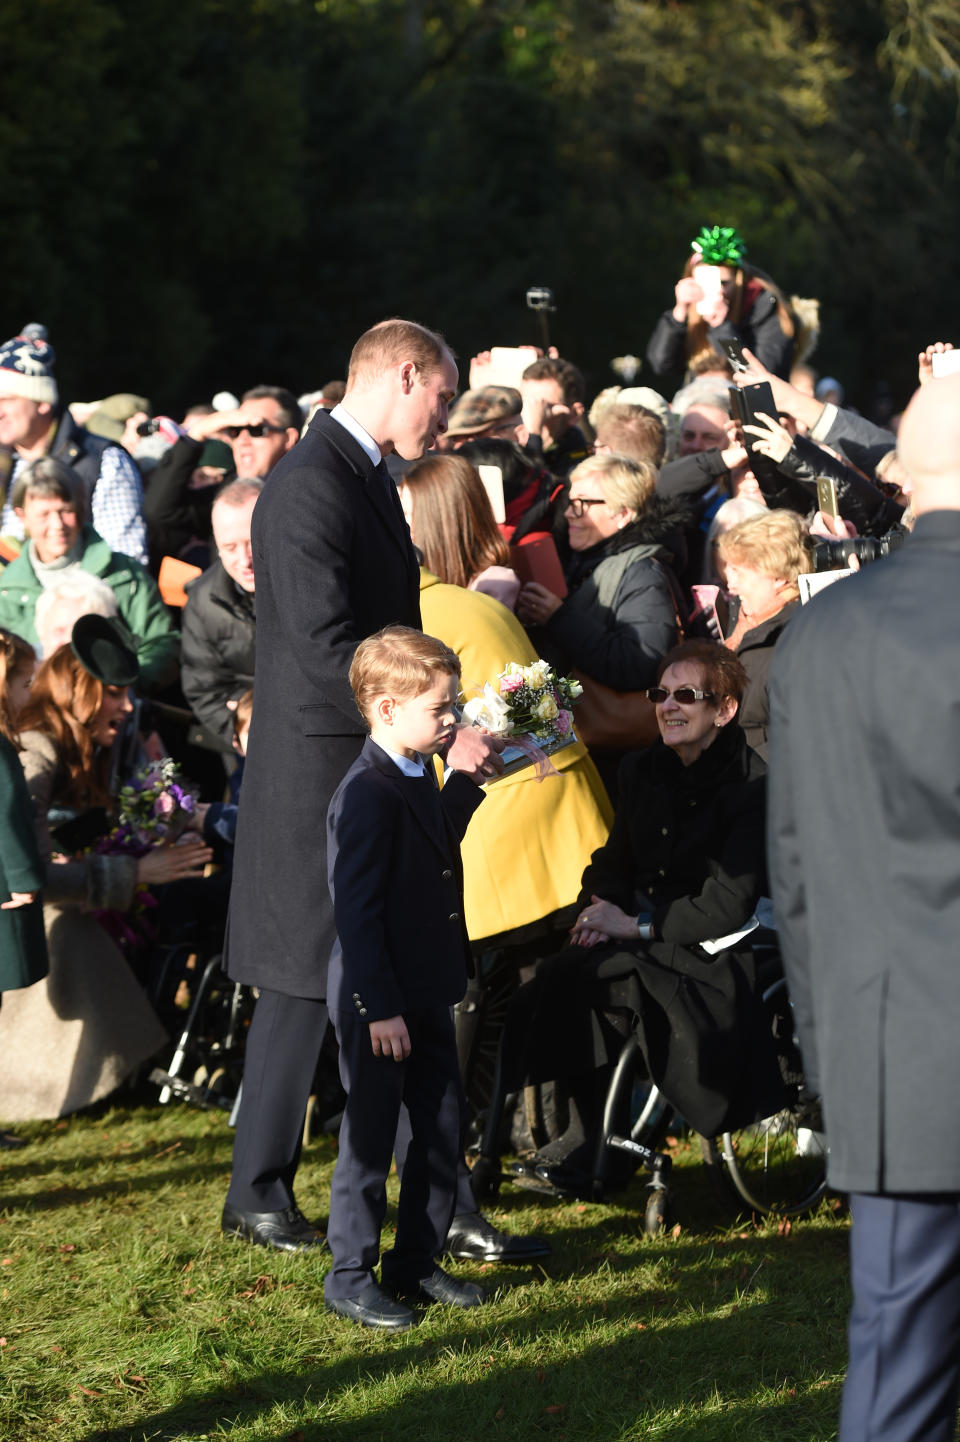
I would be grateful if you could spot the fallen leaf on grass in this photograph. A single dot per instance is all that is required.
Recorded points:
(55, 1348)
(89, 1392)
(640, 1326)
(500, 1413)
(555, 1408)
(785, 1227)
(675, 1231)
(261, 1285)
(67, 1247)
(6, 1261)
(3, 1341)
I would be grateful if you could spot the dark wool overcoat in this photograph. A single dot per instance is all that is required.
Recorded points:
(334, 563)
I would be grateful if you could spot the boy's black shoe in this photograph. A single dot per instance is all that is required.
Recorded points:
(287, 1231)
(373, 1307)
(441, 1287)
(472, 1238)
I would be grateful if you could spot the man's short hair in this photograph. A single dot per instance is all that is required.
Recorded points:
(551, 368)
(50, 479)
(237, 493)
(390, 343)
(704, 391)
(290, 412)
(633, 431)
(398, 662)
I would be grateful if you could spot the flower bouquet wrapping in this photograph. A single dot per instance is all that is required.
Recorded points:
(154, 808)
(531, 705)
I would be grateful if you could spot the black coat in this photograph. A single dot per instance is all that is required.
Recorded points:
(760, 330)
(865, 859)
(334, 563)
(396, 878)
(217, 649)
(688, 843)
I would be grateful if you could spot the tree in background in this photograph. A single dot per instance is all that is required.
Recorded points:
(226, 191)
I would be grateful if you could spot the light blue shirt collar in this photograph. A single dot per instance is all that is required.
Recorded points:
(362, 438)
(406, 765)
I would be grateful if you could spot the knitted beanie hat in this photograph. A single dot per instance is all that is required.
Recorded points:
(26, 369)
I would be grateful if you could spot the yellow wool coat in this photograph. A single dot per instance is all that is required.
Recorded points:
(526, 847)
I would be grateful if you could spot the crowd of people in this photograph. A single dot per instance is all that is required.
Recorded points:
(656, 547)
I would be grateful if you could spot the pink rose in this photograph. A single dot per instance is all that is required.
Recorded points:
(510, 683)
(563, 722)
(164, 805)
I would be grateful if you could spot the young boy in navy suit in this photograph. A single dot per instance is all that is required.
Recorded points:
(400, 963)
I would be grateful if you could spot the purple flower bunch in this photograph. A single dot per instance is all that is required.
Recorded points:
(154, 807)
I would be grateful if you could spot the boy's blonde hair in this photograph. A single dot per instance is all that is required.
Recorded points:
(398, 662)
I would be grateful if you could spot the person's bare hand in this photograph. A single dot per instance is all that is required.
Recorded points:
(925, 359)
(602, 921)
(832, 528)
(475, 753)
(390, 1038)
(204, 428)
(198, 816)
(686, 293)
(186, 858)
(536, 604)
(17, 899)
(772, 439)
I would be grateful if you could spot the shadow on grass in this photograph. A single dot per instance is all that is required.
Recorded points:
(652, 1374)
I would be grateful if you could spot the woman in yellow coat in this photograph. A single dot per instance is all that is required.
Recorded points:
(526, 847)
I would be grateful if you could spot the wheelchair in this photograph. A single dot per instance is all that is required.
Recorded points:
(774, 1166)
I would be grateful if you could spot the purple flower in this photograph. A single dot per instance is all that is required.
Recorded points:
(563, 722)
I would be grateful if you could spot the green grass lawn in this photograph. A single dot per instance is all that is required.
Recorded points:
(124, 1315)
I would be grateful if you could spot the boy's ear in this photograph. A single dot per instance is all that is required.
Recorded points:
(383, 710)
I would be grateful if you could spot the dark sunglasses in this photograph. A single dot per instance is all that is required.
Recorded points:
(576, 506)
(686, 695)
(262, 428)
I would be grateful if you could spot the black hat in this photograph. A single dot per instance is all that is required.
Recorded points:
(105, 648)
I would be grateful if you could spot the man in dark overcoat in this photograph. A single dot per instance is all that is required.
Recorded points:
(865, 867)
(334, 563)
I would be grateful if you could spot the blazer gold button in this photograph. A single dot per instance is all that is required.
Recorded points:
(356, 996)
(454, 916)
(363, 1011)
(447, 876)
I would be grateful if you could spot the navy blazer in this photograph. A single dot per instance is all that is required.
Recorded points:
(393, 858)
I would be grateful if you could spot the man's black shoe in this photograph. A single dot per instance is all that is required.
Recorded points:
(441, 1287)
(373, 1308)
(287, 1231)
(472, 1238)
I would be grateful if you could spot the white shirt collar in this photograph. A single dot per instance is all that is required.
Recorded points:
(362, 438)
(405, 763)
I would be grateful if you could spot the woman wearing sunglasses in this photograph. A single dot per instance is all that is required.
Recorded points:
(659, 946)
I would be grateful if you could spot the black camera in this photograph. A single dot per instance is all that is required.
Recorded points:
(540, 297)
(835, 555)
(147, 428)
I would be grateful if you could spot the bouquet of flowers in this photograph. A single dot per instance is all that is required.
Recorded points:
(154, 807)
(531, 703)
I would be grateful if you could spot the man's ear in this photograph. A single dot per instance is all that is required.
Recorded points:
(293, 435)
(577, 409)
(408, 376)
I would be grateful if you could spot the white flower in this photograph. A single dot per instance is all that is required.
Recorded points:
(489, 710)
(546, 708)
(537, 675)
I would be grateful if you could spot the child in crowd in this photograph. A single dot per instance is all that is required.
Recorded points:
(217, 820)
(23, 947)
(399, 965)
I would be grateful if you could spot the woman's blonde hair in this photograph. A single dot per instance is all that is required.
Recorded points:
(776, 543)
(626, 485)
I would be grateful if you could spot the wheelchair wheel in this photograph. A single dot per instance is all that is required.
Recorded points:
(776, 1165)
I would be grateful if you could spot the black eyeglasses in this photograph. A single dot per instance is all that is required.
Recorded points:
(577, 504)
(686, 695)
(262, 428)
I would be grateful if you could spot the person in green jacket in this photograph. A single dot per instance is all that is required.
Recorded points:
(23, 946)
(50, 500)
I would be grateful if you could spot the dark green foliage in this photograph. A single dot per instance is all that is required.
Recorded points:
(222, 192)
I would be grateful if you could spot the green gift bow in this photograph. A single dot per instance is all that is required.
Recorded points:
(719, 245)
